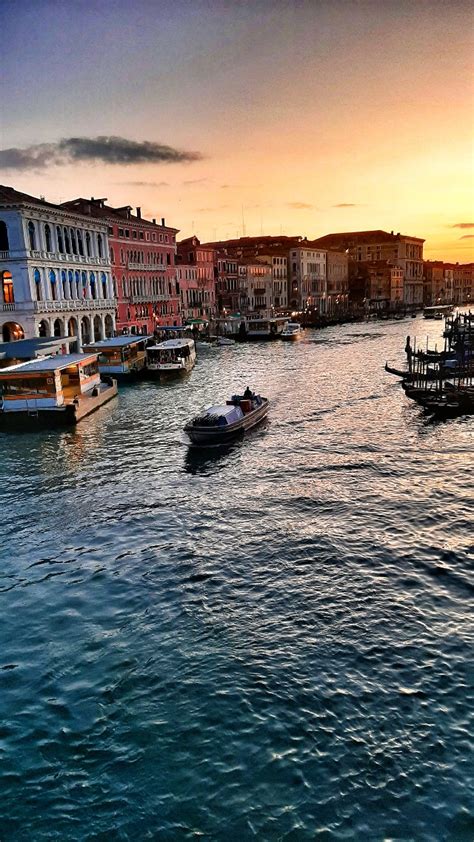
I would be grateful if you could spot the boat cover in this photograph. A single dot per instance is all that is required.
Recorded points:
(230, 413)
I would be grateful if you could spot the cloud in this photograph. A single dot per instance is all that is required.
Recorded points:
(467, 237)
(194, 181)
(300, 206)
(103, 149)
(463, 225)
(346, 205)
(144, 183)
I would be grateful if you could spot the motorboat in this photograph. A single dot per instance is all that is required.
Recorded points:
(292, 332)
(224, 341)
(171, 357)
(222, 423)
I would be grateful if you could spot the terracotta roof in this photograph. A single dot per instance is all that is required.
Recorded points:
(8, 195)
(91, 207)
(348, 239)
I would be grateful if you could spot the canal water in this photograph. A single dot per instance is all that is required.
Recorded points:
(271, 641)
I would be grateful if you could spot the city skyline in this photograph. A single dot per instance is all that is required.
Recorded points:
(263, 118)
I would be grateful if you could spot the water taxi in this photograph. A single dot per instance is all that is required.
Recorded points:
(53, 391)
(439, 311)
(171, 357)
(121, 356)
(257, 327)
(291, 332)
(222, 423)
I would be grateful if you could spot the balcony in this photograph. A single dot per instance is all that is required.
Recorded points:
(59, 257)
(4, 255)
(8, 307)
(74, 304)
(145, 299)
(147, 267)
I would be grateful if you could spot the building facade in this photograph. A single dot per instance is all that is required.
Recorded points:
(403, 251)
(55, 272)
(337, 286)
(228, 286)
(142, 256)
(308, 281)
(196, 278)
(256, 281)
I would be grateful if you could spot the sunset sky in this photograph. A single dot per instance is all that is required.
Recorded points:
(300, 118)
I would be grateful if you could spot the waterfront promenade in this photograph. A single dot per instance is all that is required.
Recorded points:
(264, 642)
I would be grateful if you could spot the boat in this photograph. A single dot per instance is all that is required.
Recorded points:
(51, 392)
(405, 375)
(223, 341)
(120, 356)
(171, 357)
(222, 423)
(438, 311)
(291, 332)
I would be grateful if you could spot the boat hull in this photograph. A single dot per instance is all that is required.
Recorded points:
(63, 416)
(222, 435)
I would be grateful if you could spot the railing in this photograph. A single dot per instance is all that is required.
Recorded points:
(10, 307)
(147, 267)
(143, 299)
(4, 255)
(72, 304)
(53, 256)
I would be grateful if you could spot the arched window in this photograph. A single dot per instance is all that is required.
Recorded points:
(70, 278)
(47, 236)
(111, 255)
(84, 284)
(77, 281)
(38, 290)
(64, 282)
(93, 286)
(79, 243)
(88, 244)
(103, 280)
(52, 280)
(59, 235)
(66, 241)
(73, 241)
(99, 245)
(4, 246)
(7, 288)
(32, 235)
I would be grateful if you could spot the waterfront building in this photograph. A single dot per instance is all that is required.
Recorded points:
(434, 291)
(55, 272)
(196, 279)
(278, 260)
(257, 288)
(463, 283)
(376, 285)
(337, 275)
(366, 246)
(228, 287)
(308, 280)
(142, 255)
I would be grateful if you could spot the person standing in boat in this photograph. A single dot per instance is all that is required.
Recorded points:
(248, 394)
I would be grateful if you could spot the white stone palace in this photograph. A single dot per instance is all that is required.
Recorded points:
(55, 272)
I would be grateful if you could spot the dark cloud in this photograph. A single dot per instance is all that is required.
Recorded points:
(300, 206)
(467, 237)
(346, 205)
(463, 225)
(102, 149)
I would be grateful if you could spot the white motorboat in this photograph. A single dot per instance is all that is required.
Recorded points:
(224, 422)
(174, 356)
(292, 332)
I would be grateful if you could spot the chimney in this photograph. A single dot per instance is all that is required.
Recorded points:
(163, 221)
(154, 221)
(139, 213)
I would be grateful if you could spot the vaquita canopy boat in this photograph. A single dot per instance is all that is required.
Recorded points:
(171, 357)
(53, 391)
(291, 332)
(224, 422)
(120, 356)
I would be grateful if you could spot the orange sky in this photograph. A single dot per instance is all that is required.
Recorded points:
(308, 117)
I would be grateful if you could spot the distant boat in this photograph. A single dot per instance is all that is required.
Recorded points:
(292, 332)
(439, 311)
(222, 423)
(171, 357)
(223, 341)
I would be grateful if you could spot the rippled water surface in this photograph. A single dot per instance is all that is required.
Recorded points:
(271, 641)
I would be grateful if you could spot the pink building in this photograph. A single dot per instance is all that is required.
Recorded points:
(142, 255)
(196, 279)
